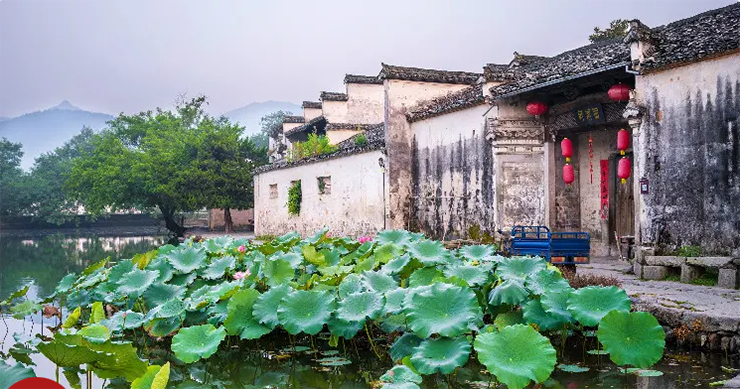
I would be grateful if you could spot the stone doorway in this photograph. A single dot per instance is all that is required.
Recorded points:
(622, 202)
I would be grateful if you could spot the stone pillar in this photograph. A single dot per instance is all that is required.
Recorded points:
(633, 113)
(549, 161)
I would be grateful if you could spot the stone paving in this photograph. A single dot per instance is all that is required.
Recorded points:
(709, 312)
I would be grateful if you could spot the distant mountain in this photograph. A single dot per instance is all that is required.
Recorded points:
(249, 115)
(3, 118)
(43, 131)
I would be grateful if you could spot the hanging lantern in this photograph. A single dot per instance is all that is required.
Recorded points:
(566, 146)
(623, 140)
(536, 108)
(619, 92)
(569, 175)
(623, 169)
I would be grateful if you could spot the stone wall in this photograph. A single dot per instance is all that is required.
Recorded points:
(365, 103)
(334, 111)
(689, 151)
(243, 219)
(353, 207)
(453, 187)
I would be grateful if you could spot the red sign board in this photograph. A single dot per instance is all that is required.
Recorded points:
(604, 188)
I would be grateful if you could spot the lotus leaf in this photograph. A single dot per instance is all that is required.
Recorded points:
(440, 355)
(358, 306)
(97, 313)
(508, 319)
(510, 292)
(156, 377)
(277, 272)
(479, 253)
(535, 313)
(119, 360)
(136, 282)
(73, 318)
(67, 355)
(142, 260)
(441, 309)
(546, 281)
(386, 252)
(590, 304)
(394, 300)
(398, 237)
(240, 320)
(183, 279)
(95, 333)
(124, 320)
(645, 373)
(334, 361)
(65, 284)
(352, 283)
(95, 267)
(218, 267)
(305, 311)
(556, 305)
(92, 280)
(393, 323)
(24, 309)
(159, 293)
(345, 329)
(519, 268)
(116, 272)
(166, 249)
(160, 264)
(396, 265)
(193, 343)
(161, 328)
(400, 385)
(516, 355)
(188, 259)
(10, 374)
(312, 256)
(404, 346)
(217, 245)
(632, 338)
(332, 271)
(424, 276)
(472, 275)
(171, 308)
(21, 353)
(429, 252)
(266, 306)
(401, 373)
(378, 282)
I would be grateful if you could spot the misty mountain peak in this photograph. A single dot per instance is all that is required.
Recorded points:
(65, 105)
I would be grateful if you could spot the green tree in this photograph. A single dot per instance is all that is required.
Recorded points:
(13, 188)
(617, 28)
(271, 128)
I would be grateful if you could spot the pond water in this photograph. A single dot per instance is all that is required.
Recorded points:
(272, 362)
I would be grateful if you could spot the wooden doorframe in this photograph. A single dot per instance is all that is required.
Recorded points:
(613, 185)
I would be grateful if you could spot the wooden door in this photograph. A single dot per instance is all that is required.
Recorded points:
(623, 202)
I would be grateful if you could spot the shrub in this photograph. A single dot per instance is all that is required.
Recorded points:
(689, 251)
(578, 281)
(361, 140)
(315, 145)
(295, 196)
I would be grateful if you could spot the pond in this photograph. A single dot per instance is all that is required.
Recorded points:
(272, 362)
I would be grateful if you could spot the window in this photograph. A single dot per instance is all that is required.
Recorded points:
(273, 191)
(324, 185)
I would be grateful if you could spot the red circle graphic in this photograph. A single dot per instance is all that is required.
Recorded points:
(36, 383)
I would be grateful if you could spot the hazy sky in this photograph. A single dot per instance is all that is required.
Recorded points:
(132, 55)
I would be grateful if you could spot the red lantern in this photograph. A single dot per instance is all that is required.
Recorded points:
(567, 148)
(569, 175)
(623, 140)
(623, 169)
(619, 92)
(536, 108)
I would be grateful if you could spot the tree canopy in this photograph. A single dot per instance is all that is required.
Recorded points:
(12, 195)
(617, 28)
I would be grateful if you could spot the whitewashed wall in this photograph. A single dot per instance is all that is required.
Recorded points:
(310, 113)
(354, 207)
(335, 111)
(365, 103)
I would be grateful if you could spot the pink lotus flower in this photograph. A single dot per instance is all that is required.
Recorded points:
(241, 274)
(365, 239)
(242, 249)
(328, 235)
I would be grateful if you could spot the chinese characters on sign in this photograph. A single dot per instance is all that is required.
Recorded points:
(604, 188)
(589, 114)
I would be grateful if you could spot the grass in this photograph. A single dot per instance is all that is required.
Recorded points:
(673, 277)
(706, 280)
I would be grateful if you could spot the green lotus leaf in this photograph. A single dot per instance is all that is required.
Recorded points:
(480, 253)
(516, 355)
(277, 272)
(193, 343)
(510, 292)
(590, 304)
(334, 361)
(266, 306)
(24, 309)
(429, 252)
(123, 320)
(188, 259)
(632, 338)
(22, 352)
(10, 374)
(345, 329)
(145, 381)
(159, 293)
(160, 264)
(472, 275)
(96, 312)
(394, 300)
(644, 372)
(519, 268)
(386, 252)
(240, 320)
(312, 256)
(305, 311)
(440, 355)
(218, 267)
(398, 237)
(556, 305)
(424, 276)
(136, 282)
(352, 283)
(116, 272)
(396, 265)
(332, 256)
(166, 249)
(535, 313)
(119, 360)
(92, 280)
(332, 271)
(66, 283)
(378, 282)
(441, 309)
(508, 319)
(358, 306)
(67, 355)
(546, 281)
(401, 373)
(400, 385)
(217, 245)
(183, 279)
(171, 308)
(404, 346)
(160, 328)
(393, 323)
(573, 368)
(95, 267)
(73, 318)
(95, 333)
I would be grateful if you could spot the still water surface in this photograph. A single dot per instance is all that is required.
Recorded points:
(47, 259)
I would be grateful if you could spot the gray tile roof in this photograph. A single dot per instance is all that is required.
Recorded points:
(317, 121)
(293, 119)
(359, 79)
(465, 98)
(311, 104)
(427, 75)
(333, 96)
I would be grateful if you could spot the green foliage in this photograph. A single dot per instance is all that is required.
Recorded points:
(13, 183)
(689, 251)
(632, 338)
(617, 28)
(589, 305)
(193, 343)
(313, 146)
(360, 140)
(295, 196)
(10, 374)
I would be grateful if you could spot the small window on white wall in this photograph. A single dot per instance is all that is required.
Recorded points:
(324, 185)
(273, 191)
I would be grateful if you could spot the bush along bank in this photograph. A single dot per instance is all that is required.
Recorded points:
(438, 308)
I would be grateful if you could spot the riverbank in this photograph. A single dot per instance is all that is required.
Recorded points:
(705, 317)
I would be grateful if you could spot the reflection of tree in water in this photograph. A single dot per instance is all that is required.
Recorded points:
(46, 260)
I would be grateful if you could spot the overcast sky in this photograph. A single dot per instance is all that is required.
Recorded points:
(132, 55)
